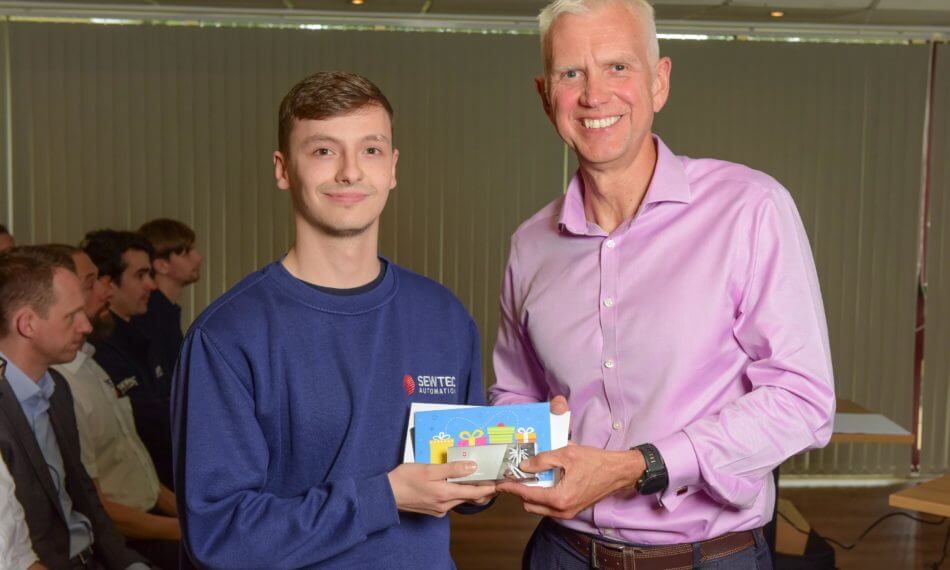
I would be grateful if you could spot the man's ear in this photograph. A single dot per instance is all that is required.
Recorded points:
(161, 266)
(661, 83)
(392, 182)
(543, 93)
(24, 322)
(280, 170)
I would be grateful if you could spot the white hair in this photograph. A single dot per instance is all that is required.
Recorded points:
(558, 8)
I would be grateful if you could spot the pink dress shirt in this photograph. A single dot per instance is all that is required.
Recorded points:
(697, 326)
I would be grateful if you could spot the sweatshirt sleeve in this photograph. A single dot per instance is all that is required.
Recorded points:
(221, 459)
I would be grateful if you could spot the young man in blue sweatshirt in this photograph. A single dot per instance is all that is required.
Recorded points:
(293, 389)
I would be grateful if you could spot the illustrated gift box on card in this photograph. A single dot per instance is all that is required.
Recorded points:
(472, 438)
(501, 433)
(497, 438)
(526, 435)
(439, 447)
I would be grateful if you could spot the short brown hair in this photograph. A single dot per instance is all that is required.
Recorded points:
(323, 95)
(26, 280)
(168, 236)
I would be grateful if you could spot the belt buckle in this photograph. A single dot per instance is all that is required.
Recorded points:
(85, 556)
(597, 546)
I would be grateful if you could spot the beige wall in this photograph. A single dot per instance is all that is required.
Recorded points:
(115, 125)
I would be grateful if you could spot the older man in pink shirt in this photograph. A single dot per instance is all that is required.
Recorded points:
(674, 304)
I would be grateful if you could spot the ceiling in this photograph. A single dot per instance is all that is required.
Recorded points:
(930, 14)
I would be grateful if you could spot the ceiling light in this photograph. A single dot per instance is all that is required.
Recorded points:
(773, 13)
(357, 2)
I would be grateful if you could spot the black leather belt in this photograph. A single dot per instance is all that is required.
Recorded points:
(615, 556)
(84, 559)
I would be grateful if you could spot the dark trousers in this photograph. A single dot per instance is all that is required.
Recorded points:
(161, 553)
(548, 550)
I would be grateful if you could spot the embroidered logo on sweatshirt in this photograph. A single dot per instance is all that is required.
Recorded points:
(431, 385)
(409, 384)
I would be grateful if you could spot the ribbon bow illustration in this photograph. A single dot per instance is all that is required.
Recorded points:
(523, 434)
(441, 436)
(471, 436)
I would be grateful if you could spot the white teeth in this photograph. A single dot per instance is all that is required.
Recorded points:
(600, 123)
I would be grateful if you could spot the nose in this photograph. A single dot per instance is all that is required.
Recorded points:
(149, 283)
(85, 327)
(349, 171)
(595, 91)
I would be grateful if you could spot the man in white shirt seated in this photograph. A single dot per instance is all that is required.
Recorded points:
(16, 552)
(143, 509)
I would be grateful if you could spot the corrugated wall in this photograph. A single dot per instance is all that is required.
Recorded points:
(114, 125)
(841, 126)
(935, 404)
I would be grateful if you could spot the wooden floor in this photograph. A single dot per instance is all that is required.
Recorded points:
(494, 539)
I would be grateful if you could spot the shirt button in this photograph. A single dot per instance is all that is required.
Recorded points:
(617, 425)
(609, 364)
(608, 302)
(611, 244)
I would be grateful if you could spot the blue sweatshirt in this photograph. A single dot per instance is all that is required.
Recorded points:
(289, 409)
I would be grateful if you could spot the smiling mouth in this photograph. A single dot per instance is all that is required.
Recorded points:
(600, 123)
(347, 197)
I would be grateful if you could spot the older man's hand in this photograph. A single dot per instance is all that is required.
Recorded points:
(588, 475)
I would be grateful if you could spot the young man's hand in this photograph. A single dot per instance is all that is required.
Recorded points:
(422, 488)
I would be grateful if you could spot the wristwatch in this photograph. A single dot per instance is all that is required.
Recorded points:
(655, 479)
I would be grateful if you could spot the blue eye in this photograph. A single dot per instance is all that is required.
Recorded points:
(570, 74)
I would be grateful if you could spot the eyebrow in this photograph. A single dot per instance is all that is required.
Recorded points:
(328, 138)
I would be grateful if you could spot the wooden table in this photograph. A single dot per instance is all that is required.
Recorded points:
(788, 540)
(932, 497)
(849, 407)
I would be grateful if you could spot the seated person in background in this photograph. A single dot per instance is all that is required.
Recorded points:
(114, 456)
(175, 265)
(124, 261)
(16, 551)
(43, 322)
(6, 238)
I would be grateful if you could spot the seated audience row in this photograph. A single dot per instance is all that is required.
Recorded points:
(96, 408)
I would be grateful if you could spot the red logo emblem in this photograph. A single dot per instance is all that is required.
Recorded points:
(409, 384)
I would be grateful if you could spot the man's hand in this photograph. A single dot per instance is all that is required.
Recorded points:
(559, 405)
(421, 488)
(588, 475)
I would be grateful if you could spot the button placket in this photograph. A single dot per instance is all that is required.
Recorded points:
(608, 322)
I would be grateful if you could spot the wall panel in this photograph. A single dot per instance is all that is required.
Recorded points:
(117, 125)
(841, 126)
(935, 404)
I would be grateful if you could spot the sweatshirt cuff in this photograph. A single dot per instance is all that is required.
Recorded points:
(682, 466)
(377, 505)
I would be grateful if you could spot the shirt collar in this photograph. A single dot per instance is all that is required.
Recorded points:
(25, 388)
(669, 184)
(84, 354)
